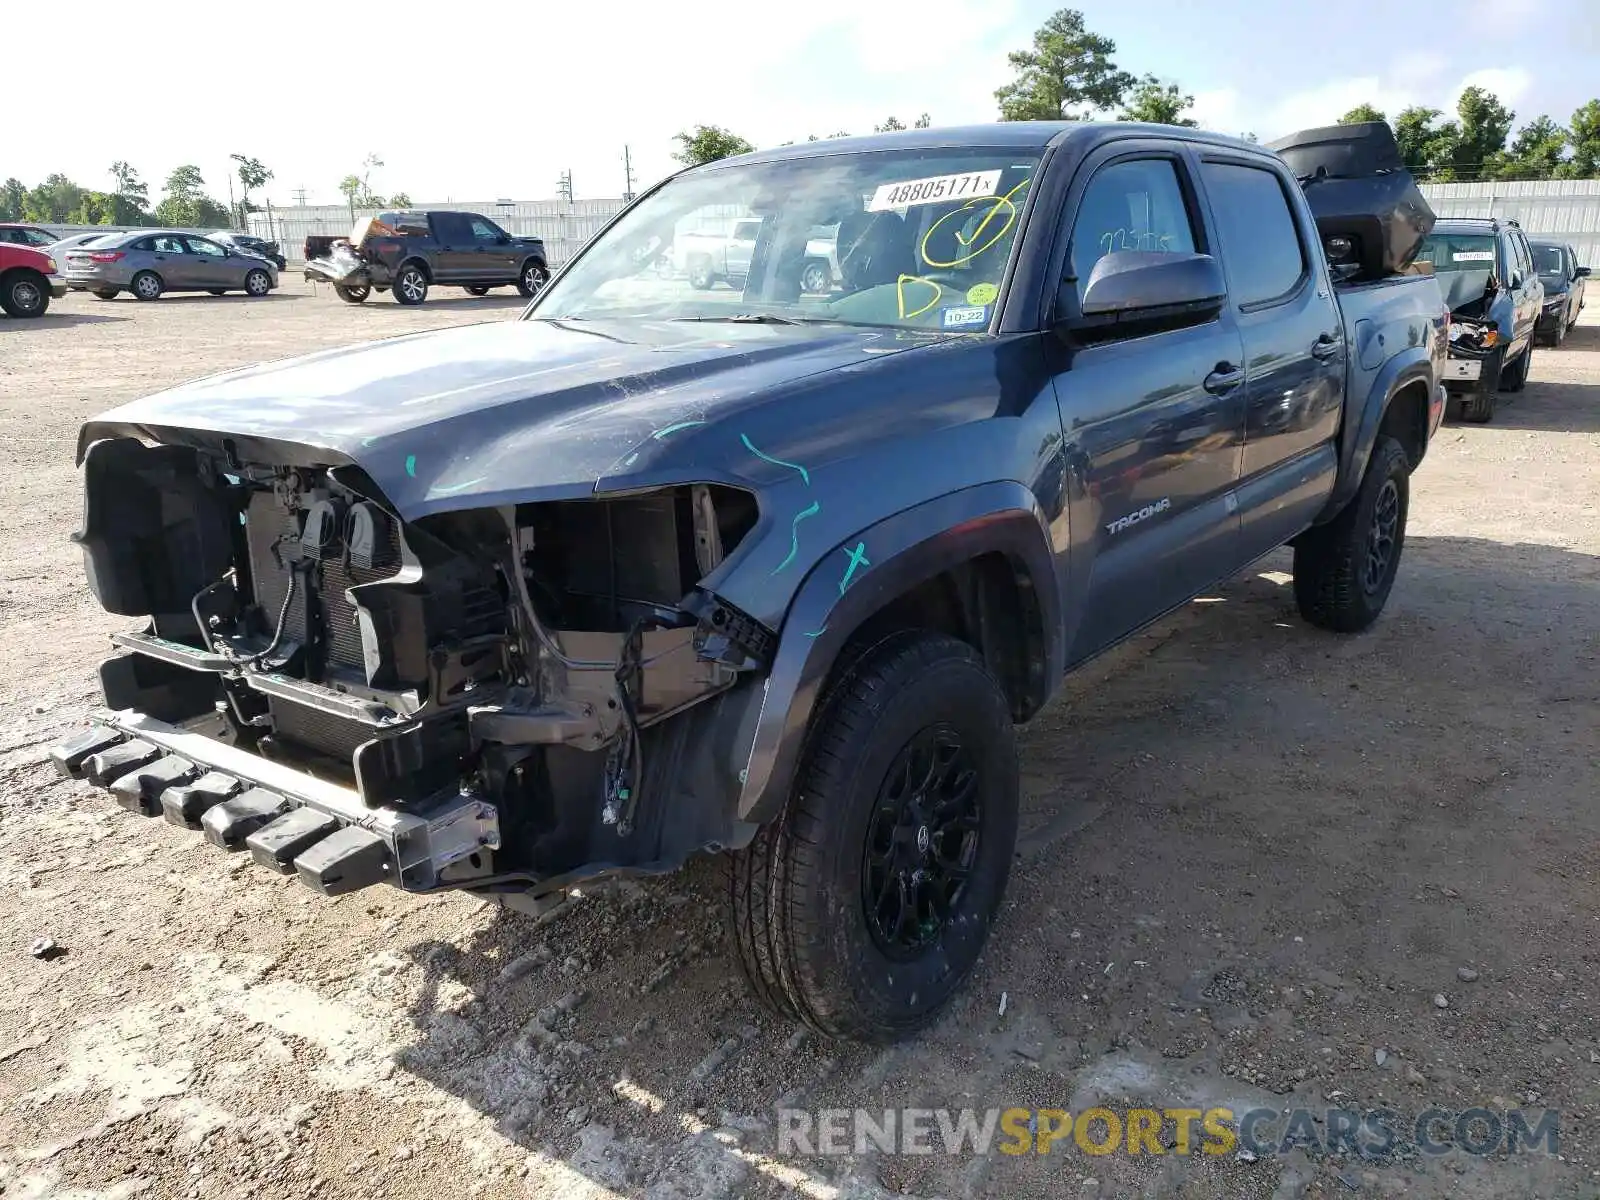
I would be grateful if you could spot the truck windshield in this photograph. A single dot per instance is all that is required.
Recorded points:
(915, 239)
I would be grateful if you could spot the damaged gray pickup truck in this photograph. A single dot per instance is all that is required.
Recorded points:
(655, 571)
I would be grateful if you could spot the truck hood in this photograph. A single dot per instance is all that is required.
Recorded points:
(504, 412)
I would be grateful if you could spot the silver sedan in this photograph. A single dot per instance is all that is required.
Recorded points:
(150, 263)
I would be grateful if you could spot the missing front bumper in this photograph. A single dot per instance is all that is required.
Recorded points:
(290, 821)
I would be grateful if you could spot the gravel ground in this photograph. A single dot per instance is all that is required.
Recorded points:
(1261, 866)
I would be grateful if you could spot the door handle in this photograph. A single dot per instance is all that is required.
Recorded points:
(1325, 347)
(1223, 379)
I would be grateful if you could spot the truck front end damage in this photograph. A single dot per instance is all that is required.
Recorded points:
(501, 699)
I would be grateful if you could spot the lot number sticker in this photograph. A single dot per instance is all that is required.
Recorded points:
(1472, 256)
(933, 190)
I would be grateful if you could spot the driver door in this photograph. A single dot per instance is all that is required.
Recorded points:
(210, 265)
(496, 255)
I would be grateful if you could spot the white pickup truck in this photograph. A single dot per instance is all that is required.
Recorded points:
(711, 258)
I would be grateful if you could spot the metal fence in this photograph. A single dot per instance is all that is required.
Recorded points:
(563, 226)
(1566, 210)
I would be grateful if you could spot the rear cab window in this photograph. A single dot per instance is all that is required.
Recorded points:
(452, 229)
(1263, 252)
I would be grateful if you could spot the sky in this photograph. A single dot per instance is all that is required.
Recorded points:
(492, 101)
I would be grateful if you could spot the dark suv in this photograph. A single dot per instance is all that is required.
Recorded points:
(410, 251)
(1495, 296)
(1563, 281)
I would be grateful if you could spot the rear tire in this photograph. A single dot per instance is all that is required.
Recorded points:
(351, 293)
(1517, 378)
(257, 283)
(700, 276)
(476, 290)
(107, 293)
(147, 285)
(1345, 570)
(25, 293)
(815, 277)
(864, 905)
(218, 291)
(411, 285)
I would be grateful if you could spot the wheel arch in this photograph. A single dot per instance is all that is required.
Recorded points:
(976, 564)
(1409, 372)
(419, 262)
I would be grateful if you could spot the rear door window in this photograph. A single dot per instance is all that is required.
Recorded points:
(1261, 245)
(452, 229)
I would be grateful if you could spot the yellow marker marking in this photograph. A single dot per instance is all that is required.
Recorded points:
(979, 238)
(900, 295)
(982, 293)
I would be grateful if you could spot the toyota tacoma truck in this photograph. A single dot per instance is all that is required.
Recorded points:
(412, 251)
(652, 571)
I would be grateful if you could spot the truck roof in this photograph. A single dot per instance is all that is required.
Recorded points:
(1036, 136)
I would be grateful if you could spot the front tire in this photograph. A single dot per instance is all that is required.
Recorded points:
(1345, 570)
(1517, 378)
(147, 285)
(863, 907)
(700, 275)
(218, 291)
(25, 294)
(106, 293)
(257, 283)
(352, 293)
(411, 285)
(533, 278)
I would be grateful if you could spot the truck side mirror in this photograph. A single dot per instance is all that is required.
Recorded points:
(1581, 273)
(1147, 287)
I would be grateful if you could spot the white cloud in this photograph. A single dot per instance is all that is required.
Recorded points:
(1509, 84)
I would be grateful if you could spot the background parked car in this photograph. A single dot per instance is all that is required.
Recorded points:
(1563, 281)
(26, 235)
(149, 263)
(244, 243)
(28, 280)
(58, 250)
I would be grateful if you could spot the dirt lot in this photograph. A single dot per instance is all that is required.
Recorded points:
(1261, 866)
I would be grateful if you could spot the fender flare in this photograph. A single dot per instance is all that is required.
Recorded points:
(855, 580)
(1409, 366)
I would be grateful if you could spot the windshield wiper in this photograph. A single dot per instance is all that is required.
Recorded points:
(745, 319)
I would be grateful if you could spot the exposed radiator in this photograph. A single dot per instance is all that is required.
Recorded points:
(269, 526)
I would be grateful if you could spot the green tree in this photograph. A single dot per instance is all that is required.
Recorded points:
(1481, 132)
(1536, 152)
(892, 125)
(53, 201)
(12, 194)
(129, 202)
(252, 174)
(1425, 147)
(401, 199)
(1360, 114)
(185, 203)
(708, 143)
(1584, 135)
(1158, 103)
(1068, 74)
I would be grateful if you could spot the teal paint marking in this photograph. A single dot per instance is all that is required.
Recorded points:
(777, 462)
(794, 534)
(858, 558)
(818, 633)
(451, 488)
(661, 433)
(411, 465)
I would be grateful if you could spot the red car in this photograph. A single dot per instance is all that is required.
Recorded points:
(28, 280)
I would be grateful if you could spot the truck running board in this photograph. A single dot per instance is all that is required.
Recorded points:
(291, 822)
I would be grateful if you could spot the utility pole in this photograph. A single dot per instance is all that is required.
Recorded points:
(300, 195)
(627, 175)
(237, 219)
(564, 185)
